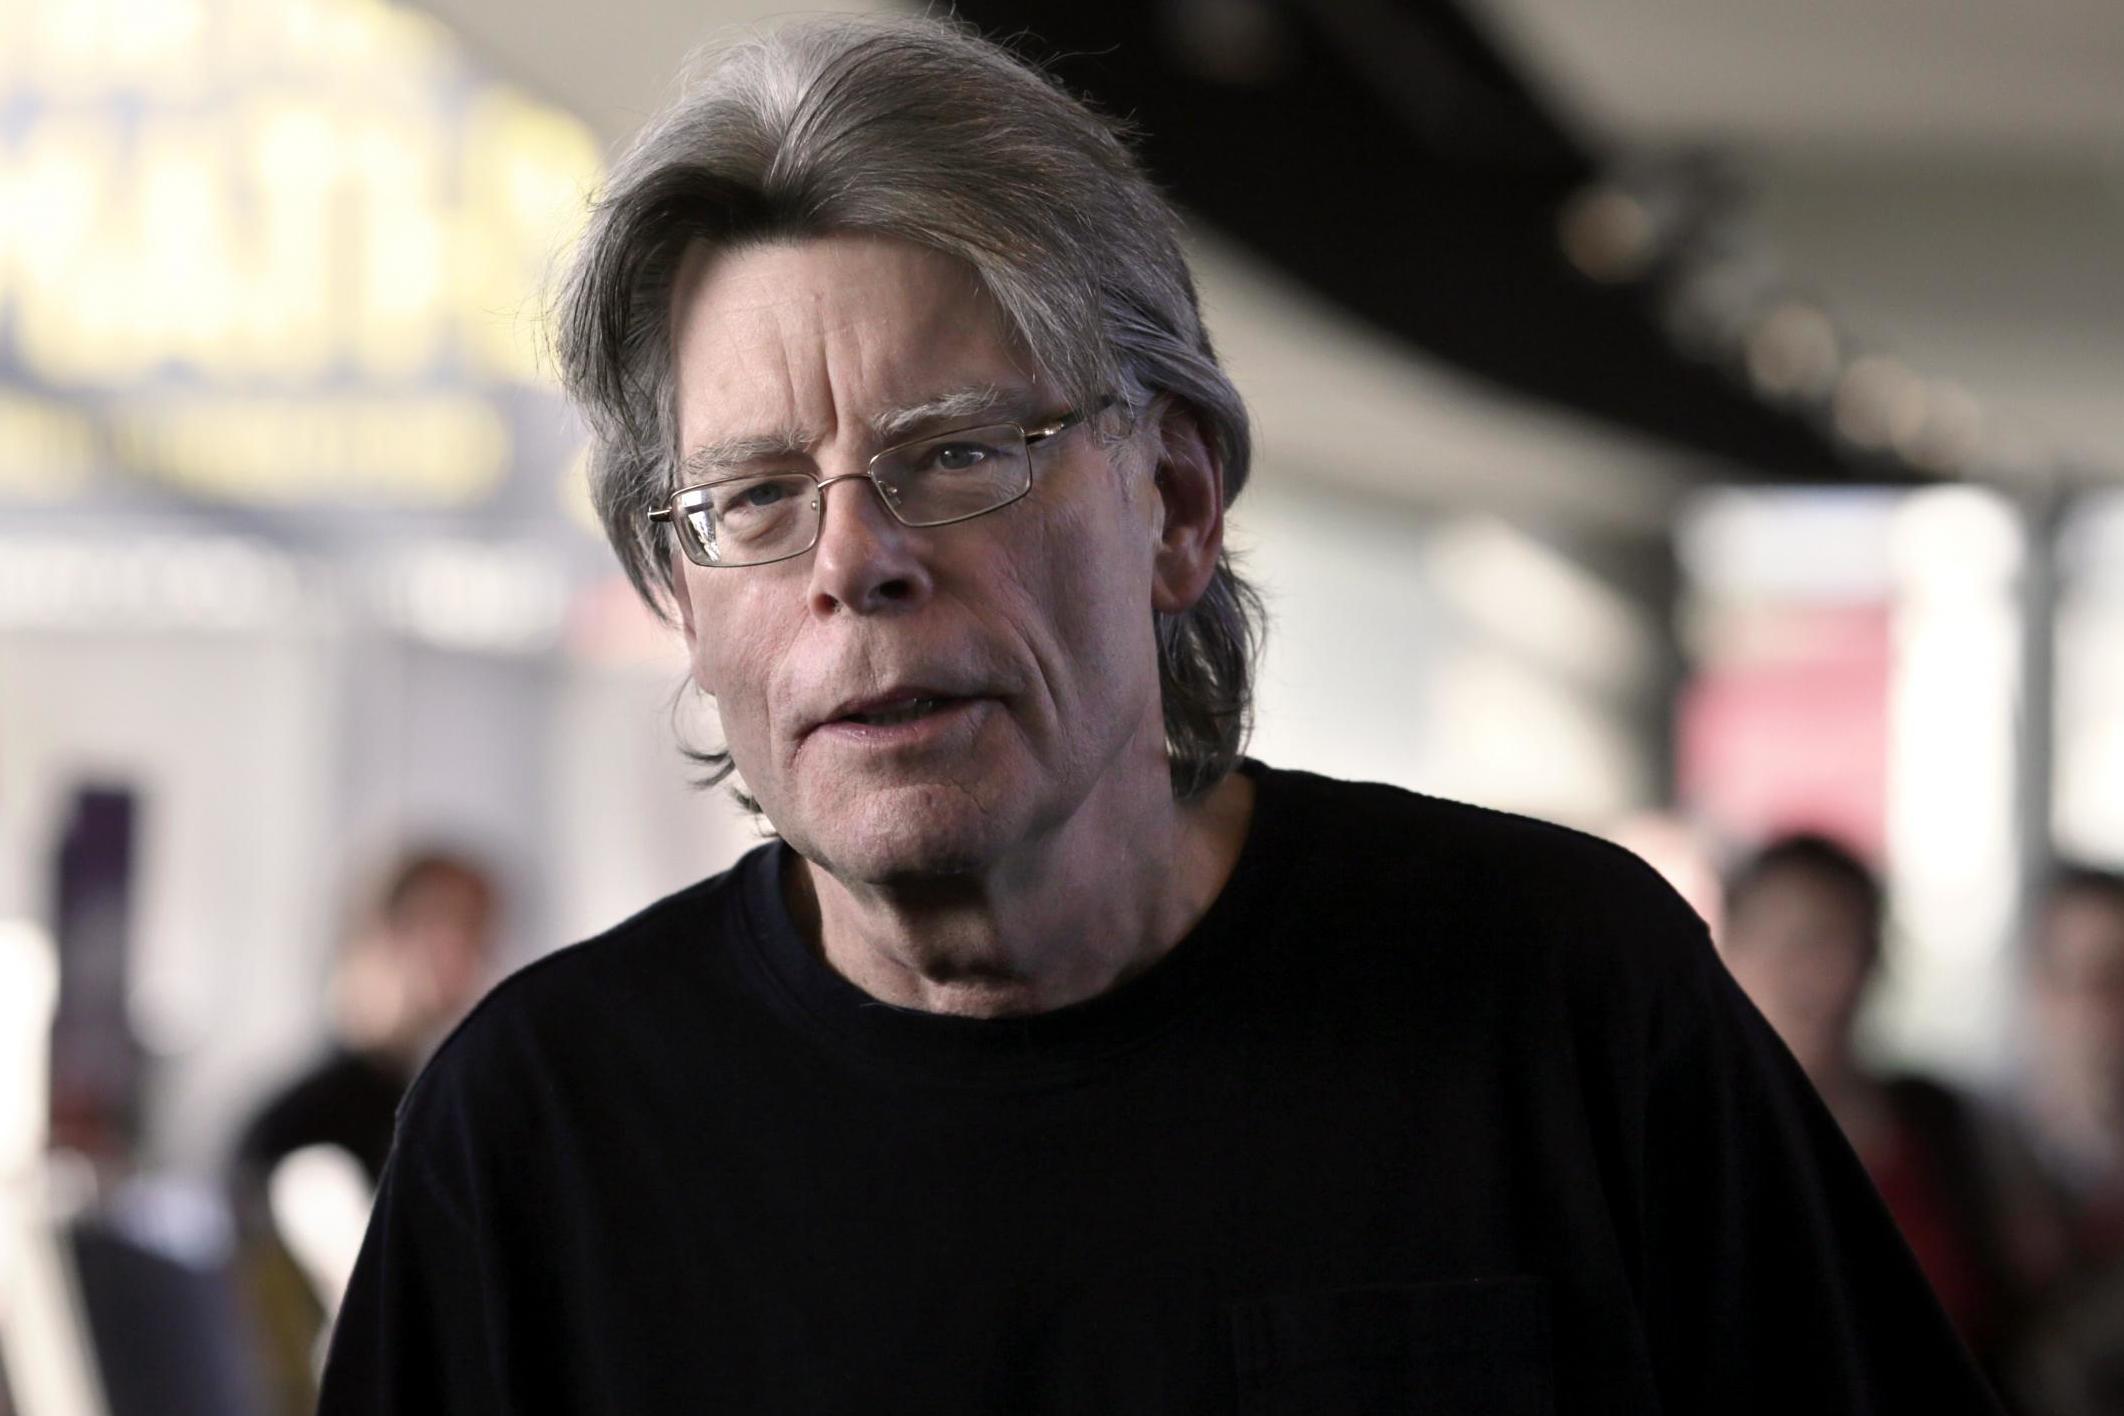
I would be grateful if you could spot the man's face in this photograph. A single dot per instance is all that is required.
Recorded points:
(2080, 981)
(1021, 640)
(441, 934)
(1802, 946)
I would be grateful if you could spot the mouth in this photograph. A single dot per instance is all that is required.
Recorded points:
(903, 710)
(899, 715)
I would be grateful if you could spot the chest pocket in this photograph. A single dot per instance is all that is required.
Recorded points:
(1467, 1347)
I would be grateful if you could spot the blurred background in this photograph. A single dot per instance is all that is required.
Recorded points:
(1696, 421)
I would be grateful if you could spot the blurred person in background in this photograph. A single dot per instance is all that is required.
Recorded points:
(1057, 1058)
(307, 1164)
(407, 974)
(1802, 933)
(2070, 1106)
(2072, 1095)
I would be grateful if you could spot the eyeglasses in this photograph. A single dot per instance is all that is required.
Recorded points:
(758, 518)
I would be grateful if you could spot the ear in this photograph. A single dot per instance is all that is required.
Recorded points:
(1189, 482)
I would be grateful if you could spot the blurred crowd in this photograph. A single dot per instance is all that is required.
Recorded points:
(2013, 1202)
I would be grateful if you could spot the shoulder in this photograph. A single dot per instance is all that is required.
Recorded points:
(1489, 903)
(1495, 910)
(338, 1092)
(562, 1011)
(1945, 1121)
(626, 960)
(1468, 864)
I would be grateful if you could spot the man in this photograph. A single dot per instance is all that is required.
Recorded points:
(1054, 1060)
(416, 958)
(1802, 935)
(2070, 1108)
(2072, 1098)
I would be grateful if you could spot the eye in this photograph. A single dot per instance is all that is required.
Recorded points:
(957, 456)
(755, 498)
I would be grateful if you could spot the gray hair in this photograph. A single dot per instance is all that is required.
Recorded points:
(920, 130)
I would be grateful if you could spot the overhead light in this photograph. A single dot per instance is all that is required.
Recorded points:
(1793, 352)
(1879, 403)
(1946, 441)
(1608, 234)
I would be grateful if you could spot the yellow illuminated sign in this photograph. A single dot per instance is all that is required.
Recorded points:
(47, 449)
(423, 450)
(278, 201)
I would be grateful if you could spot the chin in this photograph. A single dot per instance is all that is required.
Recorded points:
(898, 834)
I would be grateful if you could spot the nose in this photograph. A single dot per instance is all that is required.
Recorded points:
(866, 562)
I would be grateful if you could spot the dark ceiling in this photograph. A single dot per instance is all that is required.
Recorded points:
(1388, 155)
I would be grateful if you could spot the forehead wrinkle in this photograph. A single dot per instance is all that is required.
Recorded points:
(762, 338)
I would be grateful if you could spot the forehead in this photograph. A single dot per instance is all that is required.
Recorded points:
(826, 332)
(1792, 888)
(2085, 928)
(442, 887)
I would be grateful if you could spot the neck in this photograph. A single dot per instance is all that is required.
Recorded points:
(1856, 1100)
(1085, 910)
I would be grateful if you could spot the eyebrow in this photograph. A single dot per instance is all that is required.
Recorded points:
(723, 454)
(963, 405)
(973, 403)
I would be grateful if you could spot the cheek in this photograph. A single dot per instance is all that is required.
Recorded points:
(734, 653)
(705, 640)
(1085, 579)
(1090, 599)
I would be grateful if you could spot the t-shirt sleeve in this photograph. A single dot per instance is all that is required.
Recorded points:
(417, 1329)
(1776, 1279)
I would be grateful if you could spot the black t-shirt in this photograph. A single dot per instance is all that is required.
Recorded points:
(1436, 1110)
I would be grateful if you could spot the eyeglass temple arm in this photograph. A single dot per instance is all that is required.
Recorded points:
(1068, 420)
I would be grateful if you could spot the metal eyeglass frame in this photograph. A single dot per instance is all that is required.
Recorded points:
(1032, 436)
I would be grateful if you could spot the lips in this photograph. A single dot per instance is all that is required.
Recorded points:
(905, 704)
(905, 710)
